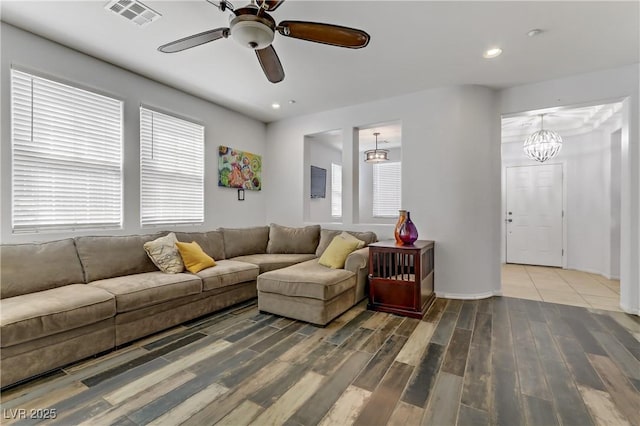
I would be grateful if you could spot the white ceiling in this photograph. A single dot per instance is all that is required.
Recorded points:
(565, 121)
(390, 137)
(415, 45)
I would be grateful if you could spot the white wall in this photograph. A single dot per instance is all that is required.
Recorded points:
(614, 225)
(590, 89)
(222, 127)
(450, 175)
(322, 155)
(366, 190)
(587, 181)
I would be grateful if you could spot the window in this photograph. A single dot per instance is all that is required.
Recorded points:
(386, 189)
(171, 170)
(336, 190)
(66, 153)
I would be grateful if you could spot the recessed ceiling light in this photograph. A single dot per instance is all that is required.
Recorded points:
(534, 32)
(275, 105)
(492, 53)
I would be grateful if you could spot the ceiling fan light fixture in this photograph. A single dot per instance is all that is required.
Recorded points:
(252, 34)
(376, 155)
(250, 30)
(252, 27)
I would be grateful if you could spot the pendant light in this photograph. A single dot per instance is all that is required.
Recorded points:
(376, 155)
(542, 145)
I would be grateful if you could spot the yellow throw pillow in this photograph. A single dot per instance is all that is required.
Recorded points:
(194, 258)
(347, 236)
(336, 254)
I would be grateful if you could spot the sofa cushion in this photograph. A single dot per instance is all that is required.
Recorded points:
(327, 235)
(270, 262)
(195, 260)
(285, 240)
(35, 315)
(227, 273)
(28, 268)
(307, 279)
(107, 257)
(164, 254)
(140, 290)
(243, 241)
(211, 242)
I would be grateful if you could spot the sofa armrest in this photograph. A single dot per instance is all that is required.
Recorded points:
(358, 263)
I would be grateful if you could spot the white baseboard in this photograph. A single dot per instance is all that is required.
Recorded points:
(466, 296)
(593, 271)
(629, 310)
(587, 270)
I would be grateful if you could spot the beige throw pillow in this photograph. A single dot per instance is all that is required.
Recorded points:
(164, 254)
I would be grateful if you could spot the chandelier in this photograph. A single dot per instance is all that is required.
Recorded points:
(376, 155)
(542, 145)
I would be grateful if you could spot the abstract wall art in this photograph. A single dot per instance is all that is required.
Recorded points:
(239, 169)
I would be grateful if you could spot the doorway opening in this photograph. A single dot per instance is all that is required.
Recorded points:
(561, 234)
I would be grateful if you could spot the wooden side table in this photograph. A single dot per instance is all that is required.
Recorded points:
(401, 277)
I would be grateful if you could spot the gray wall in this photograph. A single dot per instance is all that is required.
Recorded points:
(614, 238)
(222, 127)
(450, 177)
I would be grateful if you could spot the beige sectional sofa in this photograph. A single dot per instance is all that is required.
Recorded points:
(65, 300)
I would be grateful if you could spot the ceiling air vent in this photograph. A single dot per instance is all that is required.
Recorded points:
(134, 11)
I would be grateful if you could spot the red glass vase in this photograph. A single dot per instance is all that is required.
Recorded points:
(408, 231)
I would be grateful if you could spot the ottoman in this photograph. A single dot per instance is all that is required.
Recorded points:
(307, 292)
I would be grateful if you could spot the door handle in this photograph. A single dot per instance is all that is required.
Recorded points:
(508, 220)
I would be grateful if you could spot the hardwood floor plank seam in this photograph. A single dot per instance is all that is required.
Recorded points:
(475, 362)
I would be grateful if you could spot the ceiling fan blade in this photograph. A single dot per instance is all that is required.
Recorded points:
(334, 35)
(270, 64)
(194, 40)
(272, 4)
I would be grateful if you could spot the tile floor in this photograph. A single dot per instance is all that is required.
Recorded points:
(558, 285)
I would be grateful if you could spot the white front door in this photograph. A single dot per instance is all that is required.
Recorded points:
(534, 215)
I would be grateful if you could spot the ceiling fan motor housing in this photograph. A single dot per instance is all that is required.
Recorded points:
(249, 30)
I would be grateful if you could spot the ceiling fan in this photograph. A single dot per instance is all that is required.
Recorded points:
(253, 27)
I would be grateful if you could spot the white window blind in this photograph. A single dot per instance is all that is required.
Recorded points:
(336, 190)
(171, 170)
(386, 189)
(66, 148)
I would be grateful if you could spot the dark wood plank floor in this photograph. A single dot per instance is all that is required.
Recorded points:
(497, 361)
